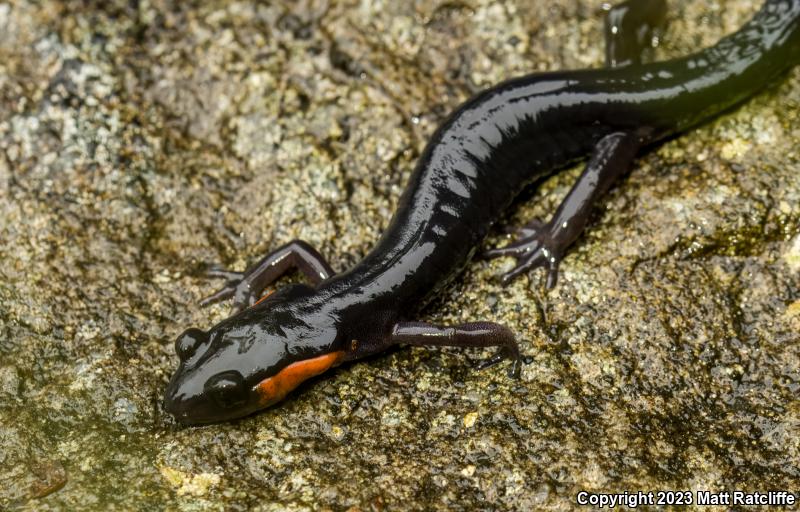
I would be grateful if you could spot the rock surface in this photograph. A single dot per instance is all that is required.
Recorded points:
(142, 141)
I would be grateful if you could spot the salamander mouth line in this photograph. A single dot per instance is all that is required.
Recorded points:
(275, 388)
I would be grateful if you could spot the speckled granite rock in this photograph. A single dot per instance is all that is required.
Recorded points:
(140, 142)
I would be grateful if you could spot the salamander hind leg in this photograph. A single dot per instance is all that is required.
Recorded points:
(630, 29)
(536, 246)
(543, 244)
(474, 334)
(246, 287)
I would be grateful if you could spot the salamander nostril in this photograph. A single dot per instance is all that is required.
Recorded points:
(187, 343)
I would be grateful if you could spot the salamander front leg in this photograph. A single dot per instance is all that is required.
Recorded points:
(474, 334)
(246, 287)
(544, 244)
(630, 28)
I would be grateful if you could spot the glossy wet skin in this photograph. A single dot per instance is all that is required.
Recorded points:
(481, 157)
(221, 370)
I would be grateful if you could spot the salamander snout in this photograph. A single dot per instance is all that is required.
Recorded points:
(187, 343)
(253, 359)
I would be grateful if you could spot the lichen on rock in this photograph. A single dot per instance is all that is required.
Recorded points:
(141, 142)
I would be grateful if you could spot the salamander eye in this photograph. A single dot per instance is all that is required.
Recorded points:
(187, 343)
(226, 388)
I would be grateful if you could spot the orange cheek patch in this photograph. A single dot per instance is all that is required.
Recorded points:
(273, 389)
(264, 297)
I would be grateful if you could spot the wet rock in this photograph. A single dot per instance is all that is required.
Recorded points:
(141, 142)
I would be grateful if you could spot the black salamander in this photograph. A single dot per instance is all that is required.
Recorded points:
(475, 164)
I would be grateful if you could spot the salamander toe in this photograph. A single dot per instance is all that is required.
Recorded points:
(538, 244)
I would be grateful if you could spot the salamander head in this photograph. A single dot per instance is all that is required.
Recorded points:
(253, 359)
